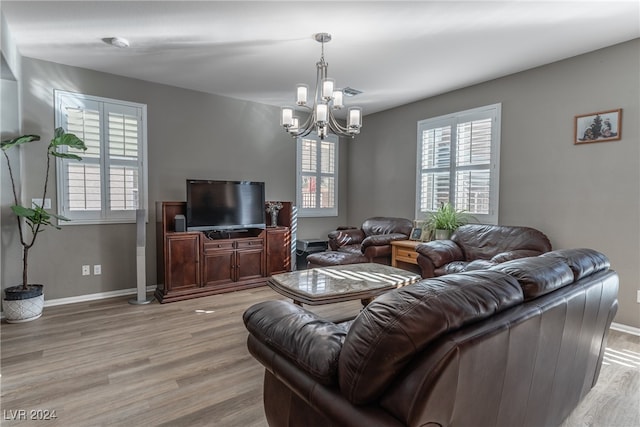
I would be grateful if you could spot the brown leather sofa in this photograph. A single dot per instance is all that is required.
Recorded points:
(518, 344)
(369, 243)
(479, 246)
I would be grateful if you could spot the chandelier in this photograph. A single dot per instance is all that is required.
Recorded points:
(321, 109)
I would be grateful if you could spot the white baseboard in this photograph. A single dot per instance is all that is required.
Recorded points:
(91, 297)
(624, 328)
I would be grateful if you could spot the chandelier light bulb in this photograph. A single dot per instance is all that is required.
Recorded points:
(295, 127)
(301, 94)
(322, 113)
(337, 100)
(355, 118)
(327, 89)
(286, 118)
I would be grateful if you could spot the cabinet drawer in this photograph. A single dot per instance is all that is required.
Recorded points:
(253, 243)
(407, 255)
(223, 244)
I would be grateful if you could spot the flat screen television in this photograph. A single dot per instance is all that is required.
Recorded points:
(224, 205)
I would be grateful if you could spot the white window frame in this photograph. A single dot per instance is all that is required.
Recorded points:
(317, 211)
(494, 112)
(105, 215)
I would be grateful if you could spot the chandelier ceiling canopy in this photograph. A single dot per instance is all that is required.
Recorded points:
(326, 100)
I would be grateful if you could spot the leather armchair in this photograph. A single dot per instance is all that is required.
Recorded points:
(373, 238)
(479, 246)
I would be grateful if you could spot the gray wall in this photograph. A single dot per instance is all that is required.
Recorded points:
(579, 195)
(190, 135)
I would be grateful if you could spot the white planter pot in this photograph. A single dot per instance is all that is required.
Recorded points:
(23, 310)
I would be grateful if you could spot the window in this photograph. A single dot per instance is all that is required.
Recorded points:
(317, 186)
(109, 184)
(459, 163)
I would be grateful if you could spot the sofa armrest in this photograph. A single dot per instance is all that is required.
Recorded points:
(340, 238)
(440, 252)
(302, 337)
(515, 254)
(382, 239)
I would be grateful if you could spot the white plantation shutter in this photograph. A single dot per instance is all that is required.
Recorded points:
(124, 156)
(83, 178)
(108, 185)
(458, 162)
(317, 184)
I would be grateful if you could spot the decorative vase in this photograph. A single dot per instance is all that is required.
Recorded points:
(23, 306)
(274, 217)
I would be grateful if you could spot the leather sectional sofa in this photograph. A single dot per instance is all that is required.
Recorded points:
(479, 246)
(517, 344)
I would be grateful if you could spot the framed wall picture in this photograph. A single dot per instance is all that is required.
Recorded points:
(598, 127)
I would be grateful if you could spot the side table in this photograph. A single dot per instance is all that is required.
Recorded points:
(404, 251)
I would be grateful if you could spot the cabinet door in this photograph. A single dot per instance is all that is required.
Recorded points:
(278, 251)
(250, 263)
(182, 261)
(218, 264)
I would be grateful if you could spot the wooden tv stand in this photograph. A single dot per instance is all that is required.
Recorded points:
(193, 263)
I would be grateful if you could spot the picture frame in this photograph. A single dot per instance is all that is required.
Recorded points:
(416, 233)
(602, 126)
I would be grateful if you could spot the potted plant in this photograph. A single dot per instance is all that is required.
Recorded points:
(24, 302)
(443, 222)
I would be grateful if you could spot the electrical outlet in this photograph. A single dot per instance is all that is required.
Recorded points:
(97, 269)
(638, 297)
(86, 270)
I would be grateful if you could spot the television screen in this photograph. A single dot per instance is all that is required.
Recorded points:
(224, 205)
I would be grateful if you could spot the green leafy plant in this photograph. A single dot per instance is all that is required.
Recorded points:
(35, 217)
(447, 218)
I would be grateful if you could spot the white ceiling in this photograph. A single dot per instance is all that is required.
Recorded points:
(395, 52)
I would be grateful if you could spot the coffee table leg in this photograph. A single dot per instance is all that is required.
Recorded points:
(366, 301)
(296, 302)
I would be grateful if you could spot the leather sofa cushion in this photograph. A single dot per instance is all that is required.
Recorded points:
(515, 254)
(395, 326)
(583, 262)
(311, 343)
(351, 249)
(387, 225)
(481, 241)
(461, 266)
(537, 275)
(382, 239)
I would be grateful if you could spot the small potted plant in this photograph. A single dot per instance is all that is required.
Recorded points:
(24, 302)
(443, 222)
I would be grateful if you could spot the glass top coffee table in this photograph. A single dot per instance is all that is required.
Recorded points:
(339, 283)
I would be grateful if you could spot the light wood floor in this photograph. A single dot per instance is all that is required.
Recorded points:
(109, 363)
